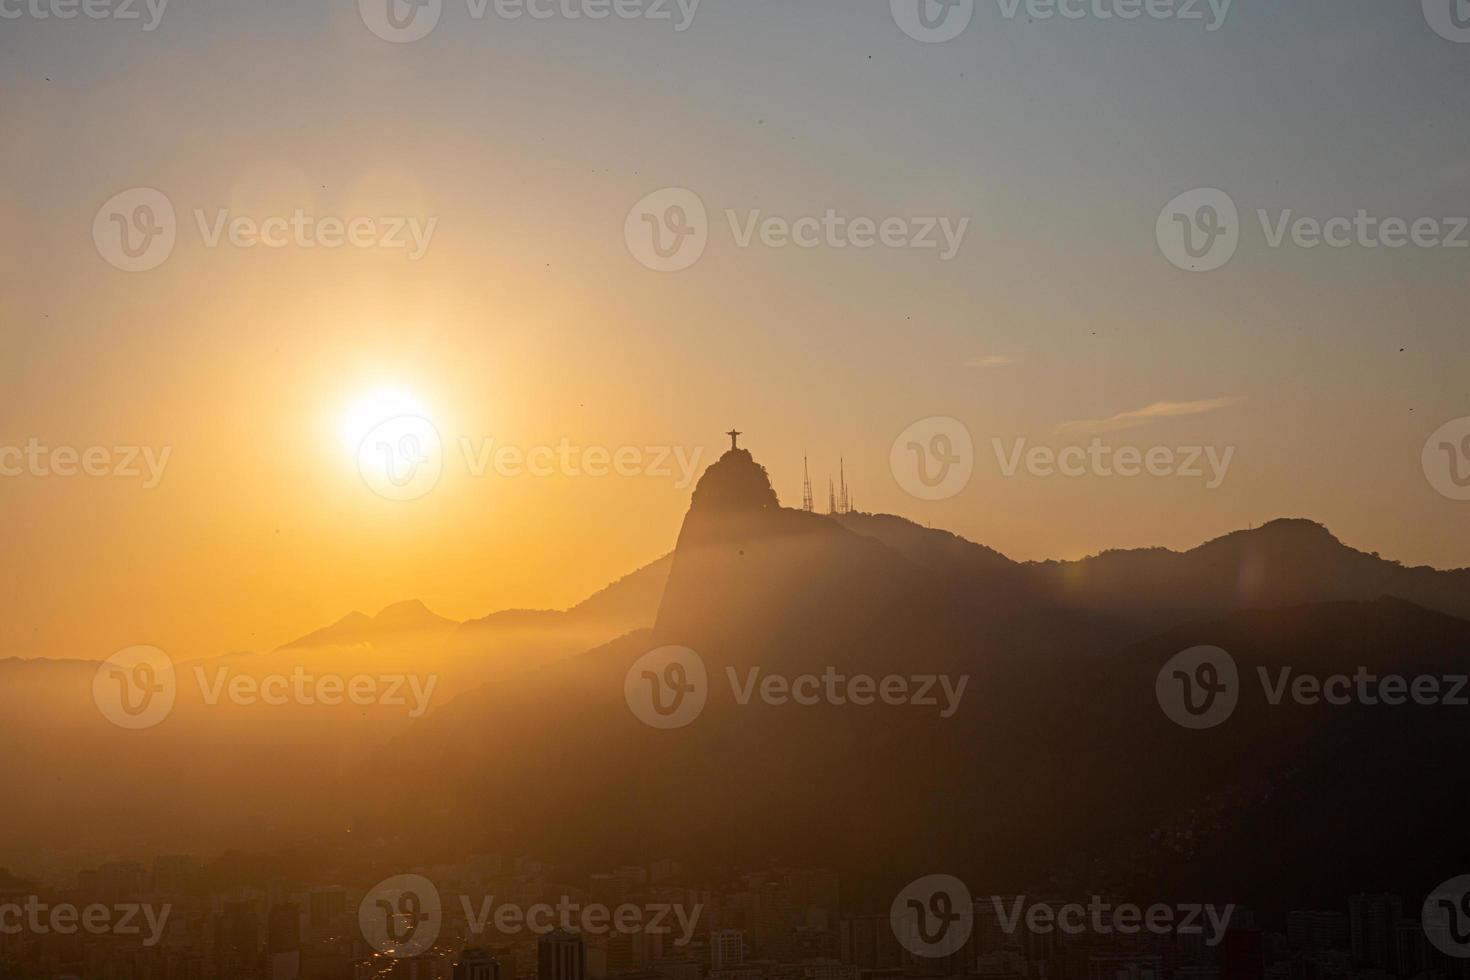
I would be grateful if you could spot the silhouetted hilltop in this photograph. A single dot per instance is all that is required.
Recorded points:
(632, 599)
(401, 617)
(1284, 562)
(755, 582)
(735, 481)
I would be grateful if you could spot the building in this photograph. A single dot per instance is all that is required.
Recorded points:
(1312, 930)
(1147, 967)
(868, 943)
(1373, 920)
(283, 942)
(236, 937)
(326, 908)
(171, 873)
(476, 964)
(1242, 955)
(283, 928)
(561, 955)
(726, 949)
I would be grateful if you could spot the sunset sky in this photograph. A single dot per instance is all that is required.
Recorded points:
(528, 321)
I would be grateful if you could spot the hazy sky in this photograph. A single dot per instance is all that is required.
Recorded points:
(529, 320)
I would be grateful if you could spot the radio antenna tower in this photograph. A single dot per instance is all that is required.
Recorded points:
(806, 487)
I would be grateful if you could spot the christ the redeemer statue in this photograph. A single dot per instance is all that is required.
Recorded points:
(733, 434)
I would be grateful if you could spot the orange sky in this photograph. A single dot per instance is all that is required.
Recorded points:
(528, 321)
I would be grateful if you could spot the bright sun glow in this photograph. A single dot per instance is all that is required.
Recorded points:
(372, 409)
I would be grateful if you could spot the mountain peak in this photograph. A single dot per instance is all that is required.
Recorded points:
(734, 482)
(407, 612)
(1288, 532)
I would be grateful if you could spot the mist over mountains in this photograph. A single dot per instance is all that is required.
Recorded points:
(1054, 768)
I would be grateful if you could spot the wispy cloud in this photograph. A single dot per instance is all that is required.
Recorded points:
(990, 361)
(1147, 414)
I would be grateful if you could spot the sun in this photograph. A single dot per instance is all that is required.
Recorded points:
(371, 409)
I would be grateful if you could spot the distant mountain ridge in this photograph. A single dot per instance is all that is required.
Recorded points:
(401, 617)
(1059, 746)
(1284, 562)
(1061, 769)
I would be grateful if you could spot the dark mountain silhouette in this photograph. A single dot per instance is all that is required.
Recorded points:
(223, 774)
(401, 617)
(1286, 802)
(1057, 769)
(628, 603)
(1060, 769)
(1284, 562)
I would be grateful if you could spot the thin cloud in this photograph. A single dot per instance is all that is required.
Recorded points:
(990, 361)
(1147, 414)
